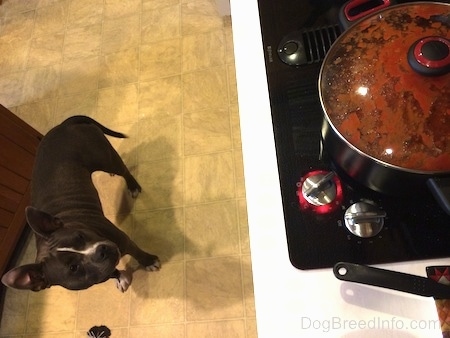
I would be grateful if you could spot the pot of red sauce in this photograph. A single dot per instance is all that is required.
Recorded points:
(385, 91)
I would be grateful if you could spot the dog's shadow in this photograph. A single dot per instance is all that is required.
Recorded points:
(150, 219)
(155, 221)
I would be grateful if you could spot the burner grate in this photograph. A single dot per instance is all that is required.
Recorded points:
(317, 42)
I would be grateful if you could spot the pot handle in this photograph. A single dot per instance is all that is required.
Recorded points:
(353, 10)
(440, 188)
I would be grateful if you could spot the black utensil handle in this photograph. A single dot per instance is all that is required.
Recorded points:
(391, 280)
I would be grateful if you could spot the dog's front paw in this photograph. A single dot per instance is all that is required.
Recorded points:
(124, 280)
(155, 266)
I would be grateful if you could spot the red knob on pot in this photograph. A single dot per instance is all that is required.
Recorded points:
(430, 56)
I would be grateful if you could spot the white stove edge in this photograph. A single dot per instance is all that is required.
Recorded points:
(290, 302)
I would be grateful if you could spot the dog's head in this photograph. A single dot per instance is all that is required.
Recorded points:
(69, 255)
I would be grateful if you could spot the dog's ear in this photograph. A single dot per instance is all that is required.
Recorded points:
(42, 223)
(26, 277)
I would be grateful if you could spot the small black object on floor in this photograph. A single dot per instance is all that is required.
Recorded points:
(99, 332)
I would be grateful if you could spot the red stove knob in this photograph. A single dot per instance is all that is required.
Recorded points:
(320, 191)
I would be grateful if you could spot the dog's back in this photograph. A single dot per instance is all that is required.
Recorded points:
(66, 158)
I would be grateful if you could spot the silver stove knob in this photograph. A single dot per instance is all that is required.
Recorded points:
(319, 189)
(364, 219)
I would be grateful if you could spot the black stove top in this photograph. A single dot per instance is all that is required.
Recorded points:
(415, 227)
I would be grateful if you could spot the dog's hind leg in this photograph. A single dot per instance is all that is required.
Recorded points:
(100, 154)
(108, 160)
(117, 167)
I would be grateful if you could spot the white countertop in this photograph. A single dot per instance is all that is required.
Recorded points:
(291, 302)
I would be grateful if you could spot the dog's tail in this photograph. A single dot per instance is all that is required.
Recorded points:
(81, 119)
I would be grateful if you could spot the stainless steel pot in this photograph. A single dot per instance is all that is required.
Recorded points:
(387, 120)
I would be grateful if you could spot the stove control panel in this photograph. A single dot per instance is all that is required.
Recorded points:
(364, 219)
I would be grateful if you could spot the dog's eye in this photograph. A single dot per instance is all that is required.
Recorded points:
(73, 267)
(79, 239)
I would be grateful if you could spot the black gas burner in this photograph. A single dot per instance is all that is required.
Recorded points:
(411, 227)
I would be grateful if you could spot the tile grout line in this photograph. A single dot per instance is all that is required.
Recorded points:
(183, 152)
(244, 307)
(58, 96)
(184, 190)
(27, 314)
(138, 140)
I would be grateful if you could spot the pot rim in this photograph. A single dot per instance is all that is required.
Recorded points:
(332, 126)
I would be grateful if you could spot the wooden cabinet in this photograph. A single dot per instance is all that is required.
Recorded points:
(18, 145)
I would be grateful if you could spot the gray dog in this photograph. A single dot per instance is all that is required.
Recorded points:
(77, 246)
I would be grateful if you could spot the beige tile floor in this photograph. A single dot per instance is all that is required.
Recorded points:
(161, 71)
